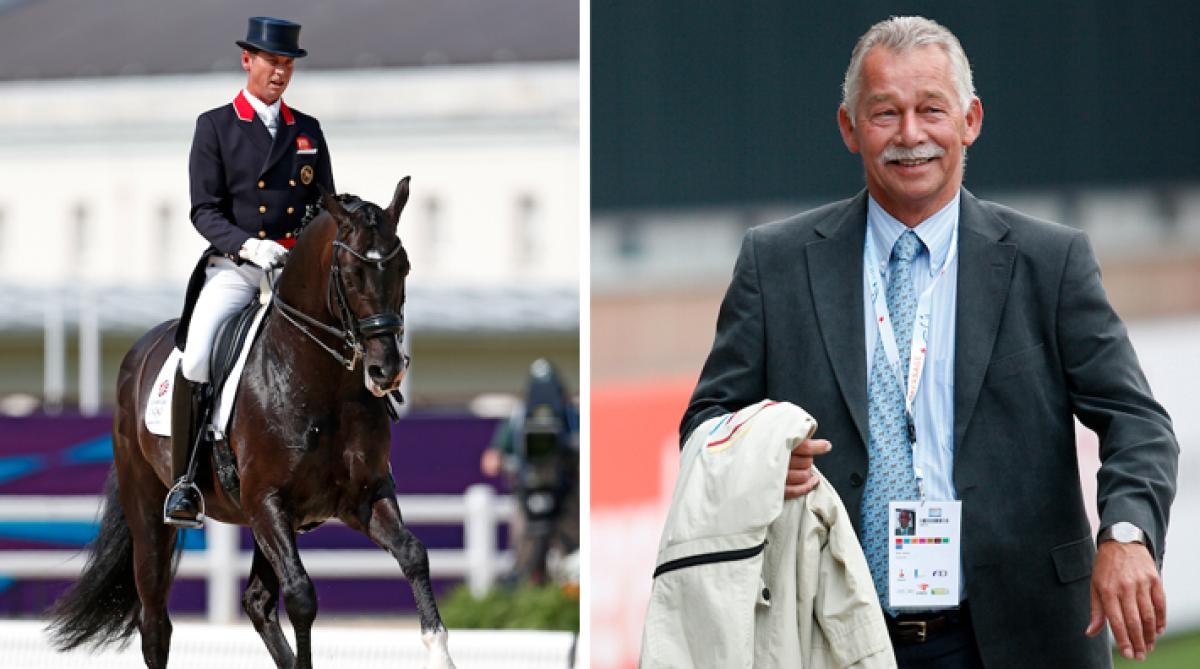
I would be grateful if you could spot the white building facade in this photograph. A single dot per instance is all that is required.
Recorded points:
(94, 195)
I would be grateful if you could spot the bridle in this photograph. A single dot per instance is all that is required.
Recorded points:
(354, 331)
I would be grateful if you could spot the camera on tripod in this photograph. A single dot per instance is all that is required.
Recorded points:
(543, 473)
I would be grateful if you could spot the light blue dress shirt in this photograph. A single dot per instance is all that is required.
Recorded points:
(933, 406)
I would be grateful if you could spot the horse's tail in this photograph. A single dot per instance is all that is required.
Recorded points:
(102, 607)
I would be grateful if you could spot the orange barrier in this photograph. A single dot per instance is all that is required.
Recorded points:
(629, 423)
(634, 460)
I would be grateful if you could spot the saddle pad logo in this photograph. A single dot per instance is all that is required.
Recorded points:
(158, 401)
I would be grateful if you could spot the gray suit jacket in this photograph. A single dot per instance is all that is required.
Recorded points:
(1036, 344)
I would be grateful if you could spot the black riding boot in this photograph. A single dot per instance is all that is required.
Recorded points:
(183, 504)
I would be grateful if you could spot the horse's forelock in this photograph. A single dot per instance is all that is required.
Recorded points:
(370, 218)
(364, 217)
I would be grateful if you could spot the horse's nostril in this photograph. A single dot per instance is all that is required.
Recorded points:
(377, 374)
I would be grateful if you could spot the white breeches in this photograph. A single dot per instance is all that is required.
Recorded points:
(227, 288)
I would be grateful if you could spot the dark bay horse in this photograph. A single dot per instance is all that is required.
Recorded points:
(311, 437)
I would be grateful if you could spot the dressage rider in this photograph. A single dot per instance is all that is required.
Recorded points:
(255, 165)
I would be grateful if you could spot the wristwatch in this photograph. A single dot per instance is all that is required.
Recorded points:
(1122, 533)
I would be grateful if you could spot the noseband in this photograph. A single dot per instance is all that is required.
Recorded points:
(354, 330)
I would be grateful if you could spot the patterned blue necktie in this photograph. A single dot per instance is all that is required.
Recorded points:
(890, 470)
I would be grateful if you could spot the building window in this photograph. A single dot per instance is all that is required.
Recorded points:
(79, 242)
(526, 231)
(431, 210)
(160, 247)
(3, 239)
(629, 239)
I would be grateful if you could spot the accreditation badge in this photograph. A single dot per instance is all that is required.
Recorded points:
(925, 555)
(306, 174)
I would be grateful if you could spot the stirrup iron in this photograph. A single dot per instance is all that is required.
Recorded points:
(185, 483)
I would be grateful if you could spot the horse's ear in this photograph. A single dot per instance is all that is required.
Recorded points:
(331, 204)
(399, 199)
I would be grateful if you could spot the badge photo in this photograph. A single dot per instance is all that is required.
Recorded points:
(306, 174)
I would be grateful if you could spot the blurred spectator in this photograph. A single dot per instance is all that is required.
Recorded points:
(537, 448)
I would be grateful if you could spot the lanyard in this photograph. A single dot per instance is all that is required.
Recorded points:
(919, 350)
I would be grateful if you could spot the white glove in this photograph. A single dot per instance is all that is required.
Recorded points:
(263, 252)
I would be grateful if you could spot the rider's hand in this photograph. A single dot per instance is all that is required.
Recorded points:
(263, 252)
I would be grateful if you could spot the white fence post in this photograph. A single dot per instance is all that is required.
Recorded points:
(89, 354)
(479, 538)
(54, 354)
(222, 547)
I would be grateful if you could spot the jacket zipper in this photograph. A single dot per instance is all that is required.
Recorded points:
(709, 558)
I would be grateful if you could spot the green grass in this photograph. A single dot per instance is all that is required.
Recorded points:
(546, 607)
(1174, 652)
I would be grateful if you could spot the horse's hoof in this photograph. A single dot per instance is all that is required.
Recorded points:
(439, 654)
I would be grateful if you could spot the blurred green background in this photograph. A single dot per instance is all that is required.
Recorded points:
(1173, 652)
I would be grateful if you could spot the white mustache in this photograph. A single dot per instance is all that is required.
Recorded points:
(923, 151)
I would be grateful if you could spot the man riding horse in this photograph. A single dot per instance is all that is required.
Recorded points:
(308, 439)
(255, 166)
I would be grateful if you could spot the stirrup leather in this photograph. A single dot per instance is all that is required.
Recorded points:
(184, 483)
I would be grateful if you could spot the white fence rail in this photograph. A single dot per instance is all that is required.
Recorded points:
(200, 646)
(223, 562)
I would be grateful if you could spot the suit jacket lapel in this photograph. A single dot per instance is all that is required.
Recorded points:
(250, 123)
(258, 134)
(835, 275)
(985, 265)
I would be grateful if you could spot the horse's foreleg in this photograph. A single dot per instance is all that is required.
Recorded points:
(272, 528)
(260, 601)
(387, 529)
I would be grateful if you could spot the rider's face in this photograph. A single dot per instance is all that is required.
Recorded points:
(267, 74)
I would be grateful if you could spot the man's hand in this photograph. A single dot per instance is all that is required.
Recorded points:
(490, 462)
(800, 478)
(263, 252)
(1128, 592)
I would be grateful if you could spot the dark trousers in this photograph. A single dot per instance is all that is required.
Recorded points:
(953, 648)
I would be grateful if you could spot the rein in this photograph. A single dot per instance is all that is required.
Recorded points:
(353, 330)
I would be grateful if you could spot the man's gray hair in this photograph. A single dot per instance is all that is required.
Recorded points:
(900, 34)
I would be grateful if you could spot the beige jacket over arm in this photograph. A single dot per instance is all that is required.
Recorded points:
(745, 579)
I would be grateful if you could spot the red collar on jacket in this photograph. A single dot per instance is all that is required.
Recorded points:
(245, 110)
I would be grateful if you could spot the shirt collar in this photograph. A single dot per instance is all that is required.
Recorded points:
(267, 112)
(935, 232)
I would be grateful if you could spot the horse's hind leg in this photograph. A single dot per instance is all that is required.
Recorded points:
(386, 528)
(273, 536)
(260, 601)
(153, 546)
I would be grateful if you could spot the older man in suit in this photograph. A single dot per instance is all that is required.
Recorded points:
(255, 165)
(944, 344)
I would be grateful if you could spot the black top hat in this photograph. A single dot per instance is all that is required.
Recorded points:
(273, 35)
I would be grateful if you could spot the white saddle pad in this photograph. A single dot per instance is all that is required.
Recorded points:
(158, 409)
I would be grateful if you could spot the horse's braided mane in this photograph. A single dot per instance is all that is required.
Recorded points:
(311, 211)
